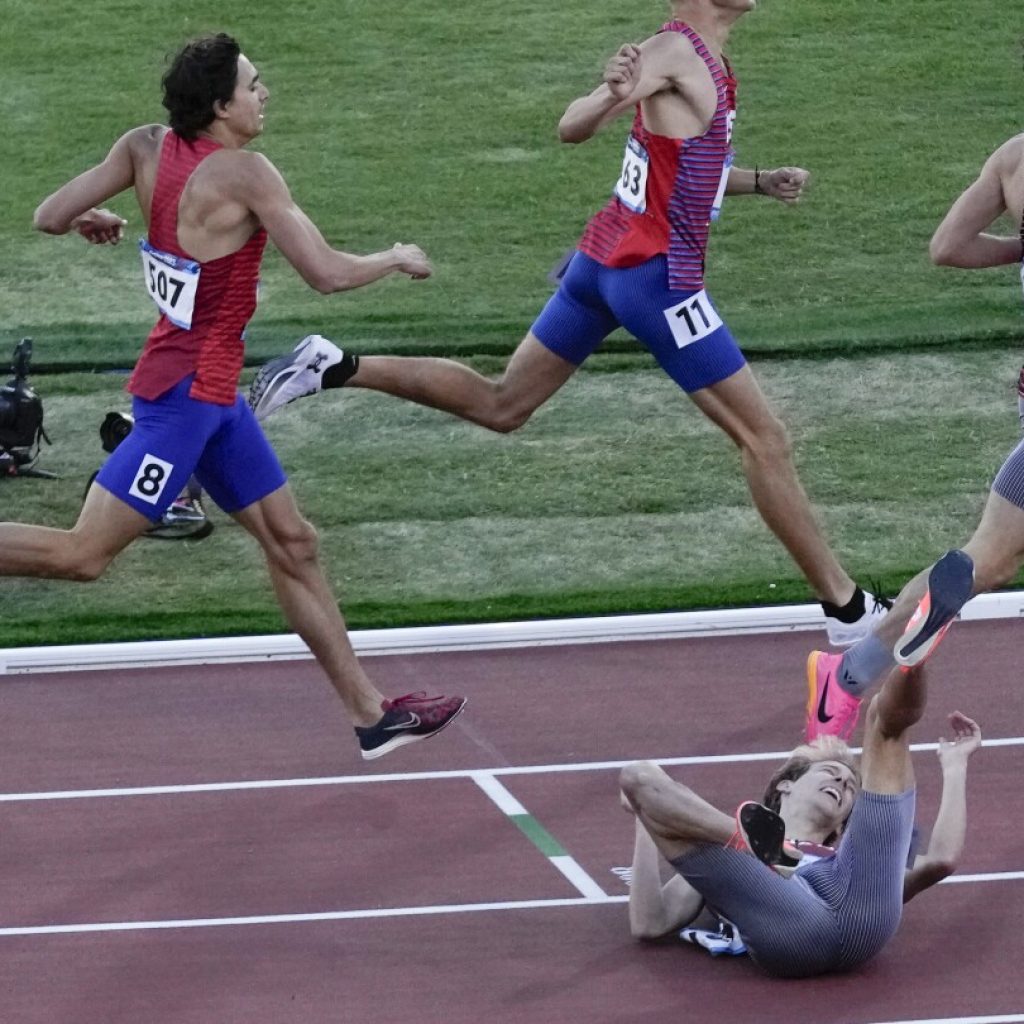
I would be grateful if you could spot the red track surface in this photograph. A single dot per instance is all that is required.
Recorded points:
(437, 842)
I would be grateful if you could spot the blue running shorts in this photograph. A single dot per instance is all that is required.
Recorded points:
(682, 329)
(177, 436)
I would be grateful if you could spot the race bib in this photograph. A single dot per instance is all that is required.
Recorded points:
(693, 319)
(171, 282)
(632, 185)
(150, 479)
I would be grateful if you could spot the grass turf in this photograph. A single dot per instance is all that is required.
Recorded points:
(618, 496)
(437, 125)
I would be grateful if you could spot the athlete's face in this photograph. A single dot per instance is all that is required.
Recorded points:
(244, 111)
(826, 791)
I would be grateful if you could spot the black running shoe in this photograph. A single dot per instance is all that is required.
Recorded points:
(950, 584)
(762, 832)
(406, 720)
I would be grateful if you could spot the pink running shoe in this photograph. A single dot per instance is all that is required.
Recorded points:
(831, 711)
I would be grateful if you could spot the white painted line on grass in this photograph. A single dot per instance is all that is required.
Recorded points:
(456, 773)
(483, 636)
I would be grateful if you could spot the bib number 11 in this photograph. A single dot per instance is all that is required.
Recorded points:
(692, 319)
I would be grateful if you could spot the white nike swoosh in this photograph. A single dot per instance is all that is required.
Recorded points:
(410, 723)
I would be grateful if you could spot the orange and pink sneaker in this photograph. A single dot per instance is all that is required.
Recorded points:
(950, 584)
(831, 711)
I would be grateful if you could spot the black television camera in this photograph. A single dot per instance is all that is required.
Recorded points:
(21, 419)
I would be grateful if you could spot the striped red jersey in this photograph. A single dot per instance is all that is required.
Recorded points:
(225, 294)
(669, 189)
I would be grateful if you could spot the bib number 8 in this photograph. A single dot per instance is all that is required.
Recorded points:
(150, 479)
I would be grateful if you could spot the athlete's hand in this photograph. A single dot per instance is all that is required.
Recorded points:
(100, 227)
(784, 183)
(622, 72)
(412, 260)
(966, 740)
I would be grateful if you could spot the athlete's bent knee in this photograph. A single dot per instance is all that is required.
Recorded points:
(296, 547)
(84, 568)
(770, 442)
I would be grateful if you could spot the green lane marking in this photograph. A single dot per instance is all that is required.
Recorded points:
(538, 835)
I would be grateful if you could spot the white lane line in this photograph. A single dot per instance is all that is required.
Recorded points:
(543, 840)
(1003, 1018)
(337, 915)
(377, 912)
(579, 878)
(995, 876)
(460, 773)
(506, 802)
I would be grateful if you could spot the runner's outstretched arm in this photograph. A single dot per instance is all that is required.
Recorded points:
(961, 239)
(946, 845)
(73, 206)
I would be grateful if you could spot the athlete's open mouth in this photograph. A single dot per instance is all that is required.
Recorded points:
(834, 793)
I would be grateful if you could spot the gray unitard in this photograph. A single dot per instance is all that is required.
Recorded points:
(831, 915)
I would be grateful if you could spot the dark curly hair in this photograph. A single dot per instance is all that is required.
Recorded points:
(202, 73)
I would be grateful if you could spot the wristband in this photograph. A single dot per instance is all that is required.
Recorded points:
(757, 181)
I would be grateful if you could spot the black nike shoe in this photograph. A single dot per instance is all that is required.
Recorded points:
(763, 832)
(406, 720)
(950, 584)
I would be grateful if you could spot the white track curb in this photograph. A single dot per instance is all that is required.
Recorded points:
(486, 636)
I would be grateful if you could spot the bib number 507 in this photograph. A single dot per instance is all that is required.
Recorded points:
(172, 282)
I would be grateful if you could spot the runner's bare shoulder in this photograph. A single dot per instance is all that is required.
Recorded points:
(146, 139)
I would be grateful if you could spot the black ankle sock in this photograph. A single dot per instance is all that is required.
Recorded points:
(849, 612)
(336, 375)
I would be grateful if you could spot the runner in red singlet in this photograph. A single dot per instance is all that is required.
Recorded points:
(640, 265)
(210, 207)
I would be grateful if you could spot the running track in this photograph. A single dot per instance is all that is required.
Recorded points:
(465, 880)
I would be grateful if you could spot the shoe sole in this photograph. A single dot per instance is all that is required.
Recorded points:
(768, 853)
(950, 584)
(404, 739)
(812, 695)
(263, 387)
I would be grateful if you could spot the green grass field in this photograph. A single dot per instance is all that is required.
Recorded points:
(436, 125)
